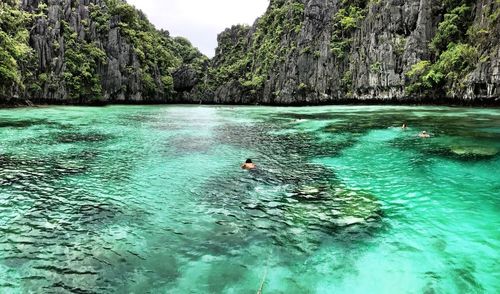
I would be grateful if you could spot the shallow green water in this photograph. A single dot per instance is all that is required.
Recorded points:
(152, 200)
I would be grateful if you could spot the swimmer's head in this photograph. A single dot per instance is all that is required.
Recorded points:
(248, 161)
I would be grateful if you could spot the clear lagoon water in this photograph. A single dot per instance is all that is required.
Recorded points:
(152, 199)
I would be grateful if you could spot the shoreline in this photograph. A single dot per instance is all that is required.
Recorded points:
(490, 103)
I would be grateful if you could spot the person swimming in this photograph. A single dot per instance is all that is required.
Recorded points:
(249, 165)
(405, 126)
(424, 134)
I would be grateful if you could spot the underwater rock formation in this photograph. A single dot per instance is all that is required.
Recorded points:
(334, 207)
(473, 151)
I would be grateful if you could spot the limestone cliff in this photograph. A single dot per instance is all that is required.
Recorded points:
(299, 52)
(96, 51)
(331, 51)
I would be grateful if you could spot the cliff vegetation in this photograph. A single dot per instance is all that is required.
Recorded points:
(299, 52)
(88, 52)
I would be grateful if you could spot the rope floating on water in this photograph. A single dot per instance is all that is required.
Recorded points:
(265, 276)
(263, 280)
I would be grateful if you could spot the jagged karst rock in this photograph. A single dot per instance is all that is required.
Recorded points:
(111, 35)
(185, 79)
(390, 38)
(299, 52)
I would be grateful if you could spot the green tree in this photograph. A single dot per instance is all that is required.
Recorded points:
(448, 73)
(158, 53)
(81, 62)
(452, 28)
(345, 22)
(14, 47)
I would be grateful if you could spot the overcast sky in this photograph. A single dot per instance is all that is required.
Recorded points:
(200, 20)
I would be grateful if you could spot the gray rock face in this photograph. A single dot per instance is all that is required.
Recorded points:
(185, 79)
(120, 74)
(484, 82)
(233, 42)
(48, 42)
(302, 69)
(392, 37)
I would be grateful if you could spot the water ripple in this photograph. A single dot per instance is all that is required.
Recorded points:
(152, 199)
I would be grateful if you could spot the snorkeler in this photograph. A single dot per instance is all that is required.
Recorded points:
(424, 134)
(248, 165)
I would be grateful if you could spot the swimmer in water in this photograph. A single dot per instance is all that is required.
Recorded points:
(248, 165)
(424, 134)
(405, 126)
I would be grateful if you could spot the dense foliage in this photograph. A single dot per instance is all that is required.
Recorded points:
(91, 50)
(271, 42)
(232, 58)
(14, 47)
(455, 49)
(158, 53)
(284, 18)
(249, 61)
(279, 41)
(447, 72)
(82, 47)
(345, 22)
(82, 60)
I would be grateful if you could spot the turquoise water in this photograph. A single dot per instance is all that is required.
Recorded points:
(129, 199)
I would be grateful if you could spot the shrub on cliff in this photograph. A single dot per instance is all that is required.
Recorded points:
(14, 48)
(448, 73)
(453, 57)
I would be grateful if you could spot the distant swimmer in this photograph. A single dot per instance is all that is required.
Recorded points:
(248, 165)
(405, 126)
(424, 134)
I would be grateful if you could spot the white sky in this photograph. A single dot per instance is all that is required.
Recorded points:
(200, 20)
